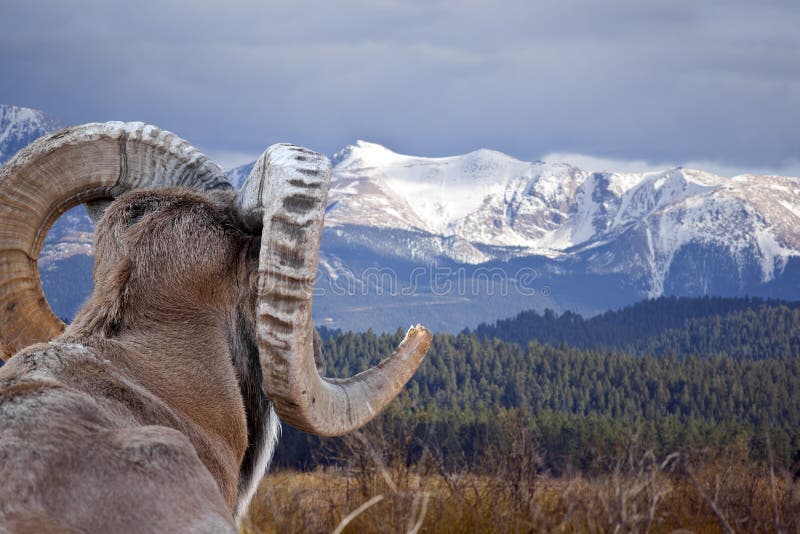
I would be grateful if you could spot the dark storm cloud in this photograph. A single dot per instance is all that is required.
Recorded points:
(671, 81)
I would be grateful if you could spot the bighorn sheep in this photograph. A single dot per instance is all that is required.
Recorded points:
(154, 410)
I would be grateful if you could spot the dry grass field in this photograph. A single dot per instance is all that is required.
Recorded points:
(639, 494)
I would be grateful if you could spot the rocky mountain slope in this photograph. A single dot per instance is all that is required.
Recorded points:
(459, 240)
(498, 207)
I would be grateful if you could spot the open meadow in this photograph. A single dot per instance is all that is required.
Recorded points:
(725, 494)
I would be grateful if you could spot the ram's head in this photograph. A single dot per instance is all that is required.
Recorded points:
(250, 255)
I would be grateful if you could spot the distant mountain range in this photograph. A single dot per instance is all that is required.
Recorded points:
(456, 241)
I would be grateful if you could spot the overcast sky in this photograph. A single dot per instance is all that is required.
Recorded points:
(638, 83)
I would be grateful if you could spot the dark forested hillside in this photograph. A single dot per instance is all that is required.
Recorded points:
(768, 331)
(582, 405)
(740, 327)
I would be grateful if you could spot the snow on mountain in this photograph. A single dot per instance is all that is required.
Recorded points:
(484, 197)
(752, 220)
(676, 232)
(504, 207)
(486, 205)
(20, 126)
(440, 192)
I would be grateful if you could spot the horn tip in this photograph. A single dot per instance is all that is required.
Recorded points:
(420, 336)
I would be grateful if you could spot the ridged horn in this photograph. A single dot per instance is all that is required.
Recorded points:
(79, 164)
(286, 193)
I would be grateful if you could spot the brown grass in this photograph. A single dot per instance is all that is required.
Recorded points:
(640, 494)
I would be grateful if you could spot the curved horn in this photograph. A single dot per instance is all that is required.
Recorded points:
(288, 190)
(55, 173)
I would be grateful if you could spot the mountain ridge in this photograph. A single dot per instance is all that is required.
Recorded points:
(488, 220)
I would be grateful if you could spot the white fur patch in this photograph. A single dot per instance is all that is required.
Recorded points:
(271, 433)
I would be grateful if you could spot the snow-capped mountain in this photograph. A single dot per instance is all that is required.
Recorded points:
(595, 239)
(487, 199)
(482, 197)
(454, 241)
(19, 126)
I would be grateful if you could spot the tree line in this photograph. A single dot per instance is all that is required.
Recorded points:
(740, 327)
(727, 376)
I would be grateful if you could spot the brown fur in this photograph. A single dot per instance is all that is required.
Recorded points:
(134, 419)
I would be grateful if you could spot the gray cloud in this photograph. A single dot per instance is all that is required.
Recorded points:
(668, 81)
